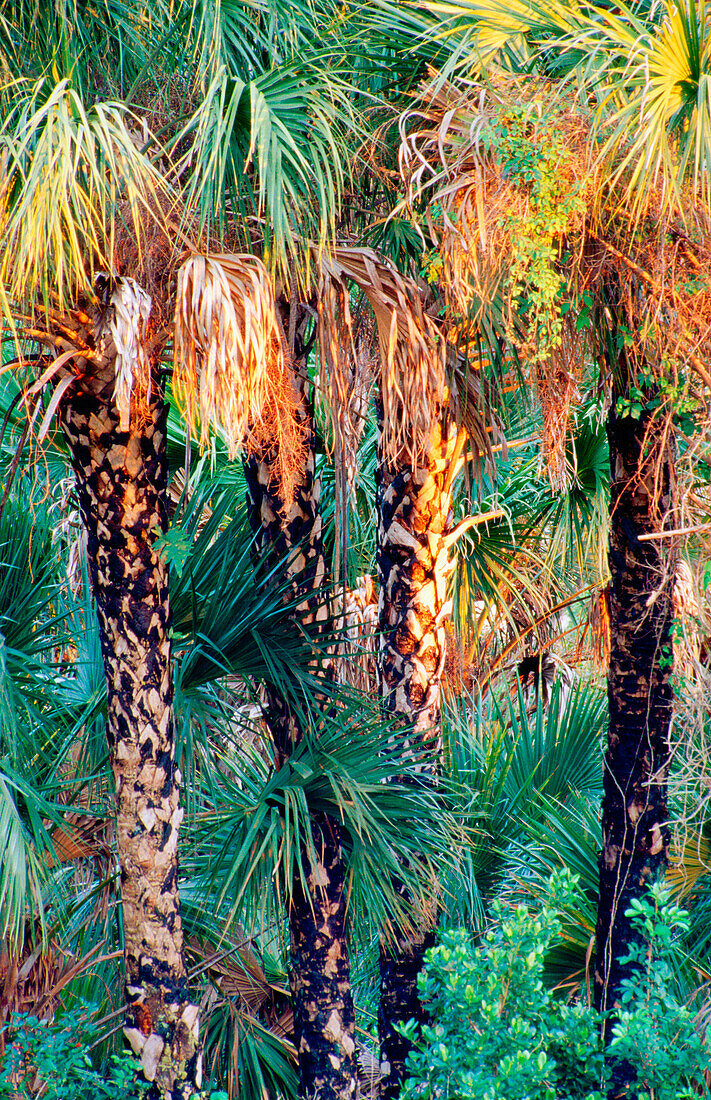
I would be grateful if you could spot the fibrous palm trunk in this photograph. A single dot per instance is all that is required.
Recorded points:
(413, 570)
(121, 482)
(634, 813)
(324, 1017)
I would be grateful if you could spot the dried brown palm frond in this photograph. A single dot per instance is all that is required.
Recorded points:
(412, 352)
(599, 619)
(557, 380)
(476, 214)
(462, 160)
(420, 379)
(130, 309)
(32, 980)
(346, 378)
(279, 438)
(227, 343)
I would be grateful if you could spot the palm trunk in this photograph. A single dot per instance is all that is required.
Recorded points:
(324, 1018)
(413, 570)
(634, 811)
(121, 482)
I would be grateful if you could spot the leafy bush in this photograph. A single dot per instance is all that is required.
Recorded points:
(654, 1030)
(496, 1030)
(53, 1057)
(51, 1060)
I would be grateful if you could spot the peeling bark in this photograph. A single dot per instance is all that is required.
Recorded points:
(324, 1019)
(634, 810)
(121, 482)
(413, 569)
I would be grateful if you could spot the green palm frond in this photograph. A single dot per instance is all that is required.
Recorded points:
(576, 518)
(275, 145)
(257, 823)
(652, 79)
(505, 767)
(103, 43)
(27, 848)
(563, 835)
(557, 748)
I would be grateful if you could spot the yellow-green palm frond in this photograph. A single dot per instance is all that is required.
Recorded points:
(227, 343)
(66, 171)
(504, 32)
(274, 148)
(653, 83)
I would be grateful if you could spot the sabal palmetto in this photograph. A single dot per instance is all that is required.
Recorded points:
(255, 130)
(638, 148)
(428, 408)
(81, 199)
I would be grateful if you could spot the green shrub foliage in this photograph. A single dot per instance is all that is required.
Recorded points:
(497, 1030)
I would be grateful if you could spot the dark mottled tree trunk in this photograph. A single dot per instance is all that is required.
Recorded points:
(413, 570)
(324, 1019)
(121, 481)
(321, 976)
(634, 812)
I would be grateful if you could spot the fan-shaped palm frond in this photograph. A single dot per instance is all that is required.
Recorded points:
(259, 824)
(67, 167)
(274, 144)
(105, 43)
(505, 766)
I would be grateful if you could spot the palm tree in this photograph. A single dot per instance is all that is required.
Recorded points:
(636, 187)
(425, 416)
(268, 97)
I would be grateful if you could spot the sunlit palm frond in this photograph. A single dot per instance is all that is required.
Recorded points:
(652, 79)
(509, 34)
(227, 343)
(66, 169)
(275, 145)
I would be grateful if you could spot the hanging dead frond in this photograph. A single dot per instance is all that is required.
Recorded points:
(421, 378)
(412, 351)
(128, 325)
(227, 344)
(346, 379)
(558, 393)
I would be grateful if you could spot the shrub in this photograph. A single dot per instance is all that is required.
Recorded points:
(655, 1031)
(496, 1030)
